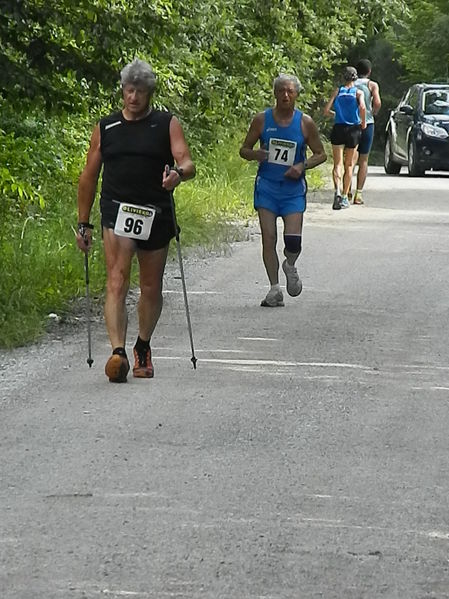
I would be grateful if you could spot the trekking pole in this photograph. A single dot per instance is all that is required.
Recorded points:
(181, 268)
(89, 345)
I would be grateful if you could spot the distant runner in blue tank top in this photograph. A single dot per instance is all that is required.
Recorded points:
(347, 106)
(283, 134)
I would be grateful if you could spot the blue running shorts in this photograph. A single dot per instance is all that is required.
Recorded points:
(280, 197)
(366, 141)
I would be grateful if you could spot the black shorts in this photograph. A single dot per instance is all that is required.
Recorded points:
(346, 135)
(162, 231)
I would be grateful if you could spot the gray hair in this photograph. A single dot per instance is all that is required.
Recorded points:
(138, 72)
(284, 78)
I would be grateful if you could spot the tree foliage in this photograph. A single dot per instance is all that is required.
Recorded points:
(215, 60)
(421, 40)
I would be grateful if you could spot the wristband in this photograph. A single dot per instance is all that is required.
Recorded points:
(178, 170)
(83, 227)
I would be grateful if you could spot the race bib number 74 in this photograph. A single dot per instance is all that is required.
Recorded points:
(134, 221)
(282, 151)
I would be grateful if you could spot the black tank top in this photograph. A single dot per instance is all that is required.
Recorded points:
(134, 155)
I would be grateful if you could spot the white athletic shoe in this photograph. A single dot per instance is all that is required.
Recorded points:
(294, 283)
(273, 299)
(344, 202)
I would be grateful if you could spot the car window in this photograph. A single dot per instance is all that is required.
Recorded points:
(413, 98)
(405, 99)
(436, 101)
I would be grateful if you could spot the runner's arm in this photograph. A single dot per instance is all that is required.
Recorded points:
(181, 154)
(313, 141)
(255, 131)
(362, 107)
(87, 187)
(327, 110)
(375, 94)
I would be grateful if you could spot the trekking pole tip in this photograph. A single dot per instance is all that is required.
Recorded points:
(90, 362)
(194, 361)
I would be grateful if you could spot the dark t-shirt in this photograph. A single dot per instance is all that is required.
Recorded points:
(134, 155)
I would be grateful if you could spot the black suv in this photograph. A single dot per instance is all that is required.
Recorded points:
(417, 132)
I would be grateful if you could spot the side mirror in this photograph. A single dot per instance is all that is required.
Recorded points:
(406, 109)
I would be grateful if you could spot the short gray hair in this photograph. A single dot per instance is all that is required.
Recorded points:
(284, 78)
(138, 72)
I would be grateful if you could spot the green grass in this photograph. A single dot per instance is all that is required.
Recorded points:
(43, 269)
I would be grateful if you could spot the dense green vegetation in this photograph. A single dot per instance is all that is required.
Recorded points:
(422, 40)
(215, 61)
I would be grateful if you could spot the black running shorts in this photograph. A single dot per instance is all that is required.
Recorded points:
(162, 231)
(346, 135)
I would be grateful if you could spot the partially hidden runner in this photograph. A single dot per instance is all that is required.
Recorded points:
(132, 147)
(283, 134)
(347, 106)
(373, 103)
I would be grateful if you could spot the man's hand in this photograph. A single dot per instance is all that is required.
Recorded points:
(170, 178)
(84, 237)
(296, 171)
(261, 155)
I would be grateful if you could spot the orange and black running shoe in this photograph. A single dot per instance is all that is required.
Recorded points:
(143, 366)
(116, 369)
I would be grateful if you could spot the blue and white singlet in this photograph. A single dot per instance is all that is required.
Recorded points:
(286, 146)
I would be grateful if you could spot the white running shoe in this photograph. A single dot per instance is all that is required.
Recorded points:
(344, 202)
(294, 283)
(273, 299)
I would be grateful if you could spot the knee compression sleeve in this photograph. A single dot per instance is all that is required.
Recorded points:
(293, 243)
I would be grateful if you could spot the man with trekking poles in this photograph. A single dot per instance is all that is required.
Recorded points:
(143, 155)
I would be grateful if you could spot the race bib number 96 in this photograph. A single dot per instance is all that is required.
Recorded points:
(282, 151)
(134, 221)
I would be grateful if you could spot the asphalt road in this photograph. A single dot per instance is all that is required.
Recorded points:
(306, 457)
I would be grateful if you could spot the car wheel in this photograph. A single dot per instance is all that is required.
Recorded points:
(414, 170)
(391, 167)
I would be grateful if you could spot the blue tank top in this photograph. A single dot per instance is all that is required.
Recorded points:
(346, 107)
(286, 146)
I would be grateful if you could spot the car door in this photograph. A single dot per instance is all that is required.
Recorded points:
(404, 121)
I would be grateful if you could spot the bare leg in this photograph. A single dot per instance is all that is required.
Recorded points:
(152, 265)
(267, 220)
(348, 163)
(363, 171)
(118, 252)
(337, 154)
(355, 161)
